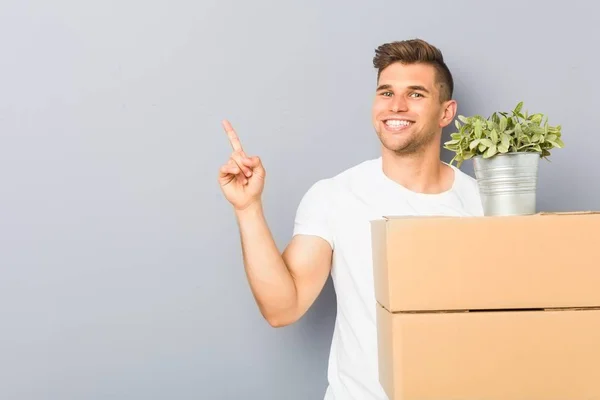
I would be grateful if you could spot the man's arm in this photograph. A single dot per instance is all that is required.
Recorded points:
(284, 285)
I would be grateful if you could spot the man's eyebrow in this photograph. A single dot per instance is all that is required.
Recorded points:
(384, 87)
(412, 87)
(419, 87)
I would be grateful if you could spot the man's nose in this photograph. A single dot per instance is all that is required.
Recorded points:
(398, 104)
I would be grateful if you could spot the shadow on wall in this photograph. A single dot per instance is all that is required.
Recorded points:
(320, 318)
(312, 334)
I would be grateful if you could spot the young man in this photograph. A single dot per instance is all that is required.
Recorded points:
(412, 104)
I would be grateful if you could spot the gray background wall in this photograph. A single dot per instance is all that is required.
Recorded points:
(120, 268)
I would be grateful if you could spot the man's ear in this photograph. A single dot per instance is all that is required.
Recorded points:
(448, 113)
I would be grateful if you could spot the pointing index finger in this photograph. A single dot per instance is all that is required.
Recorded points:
(233, 137)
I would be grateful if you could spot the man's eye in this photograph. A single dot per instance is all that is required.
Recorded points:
(416, 95)
(386, 93)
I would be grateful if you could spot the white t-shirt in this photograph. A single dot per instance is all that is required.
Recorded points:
(339, 210)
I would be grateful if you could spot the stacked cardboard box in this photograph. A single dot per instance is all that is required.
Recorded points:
(488, 308)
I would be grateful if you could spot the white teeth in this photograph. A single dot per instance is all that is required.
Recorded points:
(396, 122)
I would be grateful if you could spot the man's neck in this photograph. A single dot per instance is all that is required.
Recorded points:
(421, 172)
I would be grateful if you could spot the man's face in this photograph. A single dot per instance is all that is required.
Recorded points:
(407, 113)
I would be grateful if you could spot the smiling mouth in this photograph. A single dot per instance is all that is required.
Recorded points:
(397, 124)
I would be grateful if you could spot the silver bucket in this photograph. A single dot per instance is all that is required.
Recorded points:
(507, 183)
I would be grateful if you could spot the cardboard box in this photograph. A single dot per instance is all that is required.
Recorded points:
(486, 308)
(474, 263)
(489, 355)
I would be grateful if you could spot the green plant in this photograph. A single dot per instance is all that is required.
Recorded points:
(503, 132)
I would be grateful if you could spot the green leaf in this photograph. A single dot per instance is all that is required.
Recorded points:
(474, 144)
(482, 148)
(536, 118)
(503, 147)
(518, 107)
(503, 123)
(455, 135)
(468, 155)
(478, 129)
(486, 142)
(556, 143)
(526, 146)
(518, 130)
(457, 124)
(537, 129)
(494, 136)
(463, 119)
(453, 141)
(494, 118)
(490, 152)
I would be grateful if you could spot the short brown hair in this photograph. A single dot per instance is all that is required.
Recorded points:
(415, 51)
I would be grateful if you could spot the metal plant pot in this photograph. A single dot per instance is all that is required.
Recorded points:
(507, 183)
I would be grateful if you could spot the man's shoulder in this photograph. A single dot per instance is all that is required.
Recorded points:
(468, 190)
(469, 183)
(364, 170)
(346, 180)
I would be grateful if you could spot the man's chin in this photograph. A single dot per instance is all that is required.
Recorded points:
(405, 144)
(397, 145)
(407, 147)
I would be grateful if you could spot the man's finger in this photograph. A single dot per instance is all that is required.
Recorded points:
(255, 164)
(228, 173)
(233, 137)
(230, 169)
(239, 160)
(242, 179)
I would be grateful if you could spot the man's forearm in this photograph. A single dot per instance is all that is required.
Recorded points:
(270, 280)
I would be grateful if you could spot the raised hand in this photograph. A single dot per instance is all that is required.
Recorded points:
(241, 178)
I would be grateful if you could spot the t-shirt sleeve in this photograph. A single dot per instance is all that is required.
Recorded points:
(313, 216)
